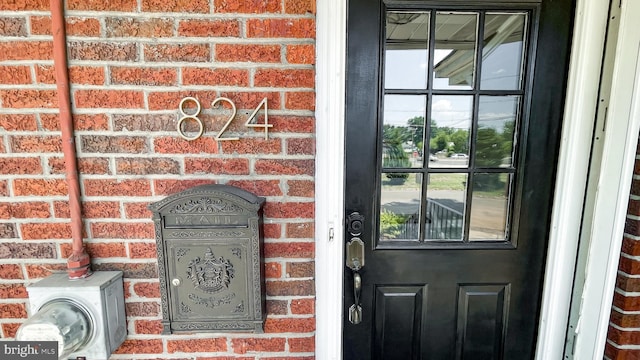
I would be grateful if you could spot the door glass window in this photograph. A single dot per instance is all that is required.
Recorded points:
(453, 98)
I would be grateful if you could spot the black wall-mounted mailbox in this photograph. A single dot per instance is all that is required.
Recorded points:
(209, 242)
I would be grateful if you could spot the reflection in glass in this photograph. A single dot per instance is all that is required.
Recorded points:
(489, 207)
(449, 130)
(400, 207)
(445, 207)
(455, 49)
(403, 131)
(497, 117)
(406, 50)
(502, 52)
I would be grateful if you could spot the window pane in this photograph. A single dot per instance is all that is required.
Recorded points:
(446, 194)
(402, 131)
(502, 51)
(489, 207)
(497, 119)
(449, 130)
(407, 50)
(400, 206)
(455, 50)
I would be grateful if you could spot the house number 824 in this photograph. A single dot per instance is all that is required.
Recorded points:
(219, 137)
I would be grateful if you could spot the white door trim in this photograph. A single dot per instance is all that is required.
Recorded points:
(575, 145)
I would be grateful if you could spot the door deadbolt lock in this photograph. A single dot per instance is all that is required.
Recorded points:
(355, 223)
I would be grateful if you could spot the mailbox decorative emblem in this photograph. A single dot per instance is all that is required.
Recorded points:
(210, 265)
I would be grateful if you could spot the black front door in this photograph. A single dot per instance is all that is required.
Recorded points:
(453, 117)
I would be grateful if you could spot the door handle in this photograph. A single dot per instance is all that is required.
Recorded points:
(355, 262)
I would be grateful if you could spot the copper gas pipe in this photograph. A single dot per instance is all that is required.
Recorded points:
(79, 263)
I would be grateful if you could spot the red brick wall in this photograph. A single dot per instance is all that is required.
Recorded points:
(130, 64)
(623, 339)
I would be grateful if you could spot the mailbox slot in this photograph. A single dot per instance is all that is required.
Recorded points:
(209, 242)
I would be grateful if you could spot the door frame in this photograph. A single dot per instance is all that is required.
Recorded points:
(573, 165)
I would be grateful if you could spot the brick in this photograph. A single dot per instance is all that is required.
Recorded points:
(146, 346)
(144, 122)
(20, 166)
(218, 77)
(216, 166)
(622, 337)
(37, 250)
(307, 344)
(26, 50)
(39, 187)
(147, 289)
(41, 25)
(13, 291)
(45, 74)
(300, 269)
(171, 145)
(259, 187)
(277, 307)
(290, 288)
(289, 250)
(272, 231)
(168, 187)
(203, 345)
(252, 146)
(18, 122)
(5, 211)
(79, 26)
(281, 28)
(630, 246)
(272, 270)
(87, 165)
(10, 329)
(301, 146)
(295, 124)
(143, 76)
(97, 250)
(300, 101)
(625, 320)
(113, 144)
(180, 6)
(21, 5)
(30, 209)
(21, 99)
(626, 303)
(130, 270)
(112, 230)
(281, 325)
(303, 306)
(301, 54)
(4, 188)
(11, 272)
(13, 311)
(300, 6)
(300, 231)
(102, 51)
(14, 75)
(93, 122)
(247, 53)
(146, 166)
(36, 144)
(38, 231)
(242, 346)
(173, 53)
(633, 207)
(139, 27)
(8, 231)
(291, 78)
(139, 250)
(117, 99)
(301, 188)
(151, 309)
(209, 28)
(38, 271)
(110, 187)
(628, 284)
(148, 327)
(285, 167)
(137, 211)
(86, 75)
(90, 209)
(102, 5)
(247, 6)
(629, 266)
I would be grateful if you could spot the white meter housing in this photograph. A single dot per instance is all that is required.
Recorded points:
(85, 316)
